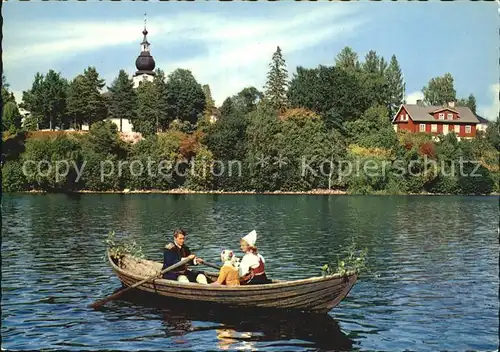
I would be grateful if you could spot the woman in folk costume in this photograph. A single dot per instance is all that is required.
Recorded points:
(228, 274)
(252, 269)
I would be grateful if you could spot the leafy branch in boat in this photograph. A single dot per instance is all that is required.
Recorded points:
(119, 247)
(353, 260)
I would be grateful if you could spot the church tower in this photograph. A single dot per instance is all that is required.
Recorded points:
(145, 63)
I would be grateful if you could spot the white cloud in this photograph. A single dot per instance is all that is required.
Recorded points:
(237, 49)
(414, 96)
(491, 111)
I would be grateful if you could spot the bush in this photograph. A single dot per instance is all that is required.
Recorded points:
(480, 184)
(13, 179)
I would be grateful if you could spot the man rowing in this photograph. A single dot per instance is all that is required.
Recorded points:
(177, 251)
(251, 269)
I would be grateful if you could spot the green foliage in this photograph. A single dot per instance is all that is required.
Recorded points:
(103, 139)
(185, 96)
(46, 100)
(123, 99)
(200, 177)
(209, 101)
(145, 120)
(493, 135)
(161, 96)
(85, 102)
(336, 94)
(46, 161)
(475, 181)
(246, 101)
(227, 107)
(440, 90)
(352, 260)
(11, 118)
(6, 95)
(288, 140)
(395, 86)
(277, 82)
(13, 179)
(470, 102)
(120, 247)
(373, 129)
(347, 60)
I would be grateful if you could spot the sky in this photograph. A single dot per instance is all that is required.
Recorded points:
(229, 45)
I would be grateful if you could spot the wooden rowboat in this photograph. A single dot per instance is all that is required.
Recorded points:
(317, 294)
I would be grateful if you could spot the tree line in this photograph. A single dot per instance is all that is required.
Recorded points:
(296, 134)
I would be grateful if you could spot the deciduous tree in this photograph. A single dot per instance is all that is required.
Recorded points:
(47, 99)
(185, 97)
(440, 90)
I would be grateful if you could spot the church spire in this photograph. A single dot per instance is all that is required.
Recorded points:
(145, 43)
(145, 63)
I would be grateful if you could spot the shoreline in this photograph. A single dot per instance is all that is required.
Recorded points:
(324, 192)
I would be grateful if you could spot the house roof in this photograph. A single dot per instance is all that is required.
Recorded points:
(424, 113)
(482, 119)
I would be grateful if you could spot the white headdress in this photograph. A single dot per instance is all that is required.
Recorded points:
(251, 238)
(227, 256)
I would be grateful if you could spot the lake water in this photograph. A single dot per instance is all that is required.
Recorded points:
(433, 280)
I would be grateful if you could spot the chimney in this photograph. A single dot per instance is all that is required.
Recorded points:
(451, 104)
(420, 102)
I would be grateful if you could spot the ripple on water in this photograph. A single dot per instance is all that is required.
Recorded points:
(433, 283)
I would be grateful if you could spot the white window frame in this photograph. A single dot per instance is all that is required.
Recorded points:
(468, 129)
(420, 129)
(457, 129)
(441, 115)
(449, 116)
(434, 127)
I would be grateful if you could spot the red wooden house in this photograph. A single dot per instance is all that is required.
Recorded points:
(436, 119)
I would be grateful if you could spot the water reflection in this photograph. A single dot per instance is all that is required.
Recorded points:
(245, 329)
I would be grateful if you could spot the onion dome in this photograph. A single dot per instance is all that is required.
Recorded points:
(145, 62)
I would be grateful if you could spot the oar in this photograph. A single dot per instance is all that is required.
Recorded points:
(211, 265)
(99, 303)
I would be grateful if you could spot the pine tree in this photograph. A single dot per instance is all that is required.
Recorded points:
(161, 103)
(347, 60)
(145, 119)
(470, 102)
(76, 102)
(210, 103)
(85, 102)
(396, 86)
(6, 95)
(95, 101)
(227, 107)
(372, 62)
(277, 82)
(123, 99)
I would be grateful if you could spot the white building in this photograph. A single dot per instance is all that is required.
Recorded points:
(483, 123)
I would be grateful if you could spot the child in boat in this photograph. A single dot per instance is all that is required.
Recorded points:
(228, 274)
